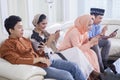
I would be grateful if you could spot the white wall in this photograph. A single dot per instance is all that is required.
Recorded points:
(70, 9)
(58, 11)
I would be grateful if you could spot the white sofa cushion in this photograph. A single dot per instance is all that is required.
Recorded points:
(19, 72)
(115, 47)
(117, 65)
(2, 61)
(37, 77)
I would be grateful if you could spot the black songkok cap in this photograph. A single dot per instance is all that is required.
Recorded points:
(97, 11)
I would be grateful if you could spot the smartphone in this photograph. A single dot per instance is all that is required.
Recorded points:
(113, 32)
(40, 45)
(116, 30)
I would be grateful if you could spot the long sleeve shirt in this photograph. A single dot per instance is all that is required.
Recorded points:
(96, 29)
(19, 51)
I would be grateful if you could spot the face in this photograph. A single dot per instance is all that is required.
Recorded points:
(42, 25)
(17, 32)
(98, 19)
(90, 25)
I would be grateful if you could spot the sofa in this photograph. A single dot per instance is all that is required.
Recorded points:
(26, 72)
(9, 71)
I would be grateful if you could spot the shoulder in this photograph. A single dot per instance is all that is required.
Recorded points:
(45, 31)
(34, 34)
(96, 27)
(73, 31)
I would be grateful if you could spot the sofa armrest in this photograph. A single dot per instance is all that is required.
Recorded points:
(117, 65)
(19, 72)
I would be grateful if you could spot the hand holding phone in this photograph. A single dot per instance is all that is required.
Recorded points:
(57, 34)
(94, 40)
(116, 30)
(113, 34)
(41, 45)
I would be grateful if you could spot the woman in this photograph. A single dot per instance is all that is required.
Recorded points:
(40, 35)
(80, 33)
(42, 41)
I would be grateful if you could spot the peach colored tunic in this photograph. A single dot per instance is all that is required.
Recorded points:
(74, 38)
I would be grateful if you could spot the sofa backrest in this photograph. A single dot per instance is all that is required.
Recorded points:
(112, 25)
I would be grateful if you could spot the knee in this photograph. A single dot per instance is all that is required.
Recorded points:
(73, 66)
(108, 43)
(75, 69)
(66, 76)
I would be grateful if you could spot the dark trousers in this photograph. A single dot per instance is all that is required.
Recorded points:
(102, 51)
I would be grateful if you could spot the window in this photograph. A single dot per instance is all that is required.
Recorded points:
(116, 9)
(26, 9)
(111, 7)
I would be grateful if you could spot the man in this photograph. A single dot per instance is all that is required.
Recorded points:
(18, 50)
(103, 42)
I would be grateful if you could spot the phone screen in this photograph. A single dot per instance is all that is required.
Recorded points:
(116, 30)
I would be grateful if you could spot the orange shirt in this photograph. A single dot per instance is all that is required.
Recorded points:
(19, 51)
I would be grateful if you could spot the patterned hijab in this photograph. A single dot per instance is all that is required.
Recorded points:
(35, 20)
(82, 22)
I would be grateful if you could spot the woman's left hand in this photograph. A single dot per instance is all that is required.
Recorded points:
(57, 35)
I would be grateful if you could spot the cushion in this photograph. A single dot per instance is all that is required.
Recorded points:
(36, 78)
(117, 65)
(20, 72)
(3, 61)
(115, 47)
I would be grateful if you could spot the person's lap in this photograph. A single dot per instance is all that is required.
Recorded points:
(58, 74)
(63, 70)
